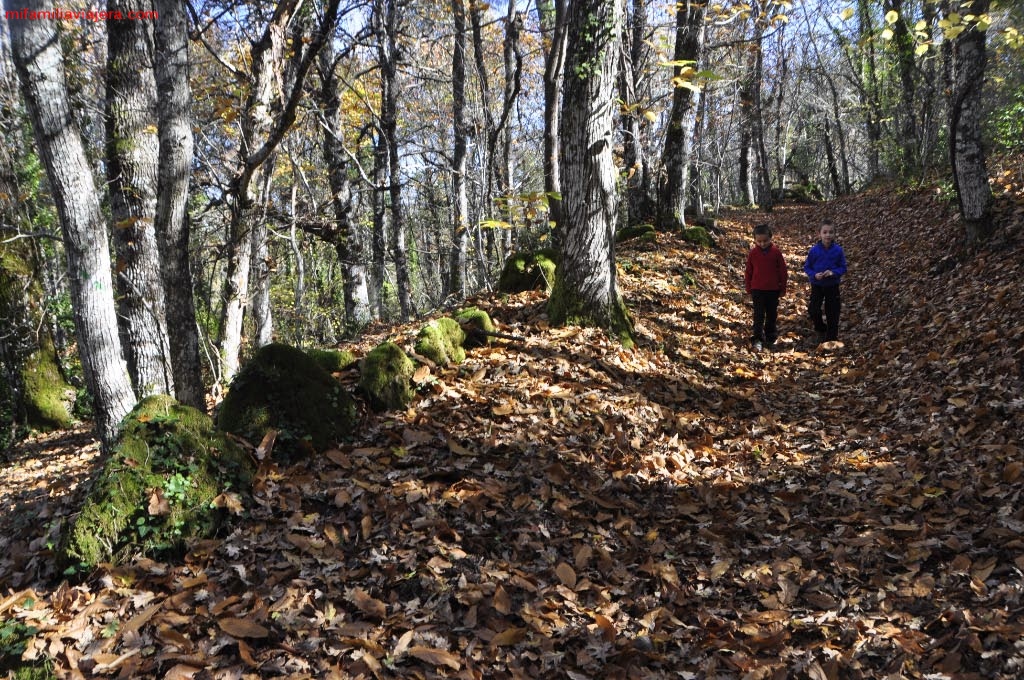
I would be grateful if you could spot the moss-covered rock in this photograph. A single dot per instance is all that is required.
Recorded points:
(529, 271)
(332, 360)
(284, 389)
(699, 236)
(385, 377)
(47, 395)
(643, 232)
(477, 324)
(35, 391)
(160, 486)
(441, 342)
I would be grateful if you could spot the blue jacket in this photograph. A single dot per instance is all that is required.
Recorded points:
(821, 259)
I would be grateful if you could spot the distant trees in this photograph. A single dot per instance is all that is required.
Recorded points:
(265, 170)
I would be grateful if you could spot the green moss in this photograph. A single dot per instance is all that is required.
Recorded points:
(529, 271)
(475, 319)
(285, 389)
(157, 489)
(47, 395)
(441, 342)
(644, 232)
(332, 360)
(385, 377)
(699, 236)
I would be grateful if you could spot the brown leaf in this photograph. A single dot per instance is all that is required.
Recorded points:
(229, 501)
(421, 374)
(338, 457)
(437, 657)
(566, 575)
(367, 604)
(266, 446)
(501, 601)
(509, 636)
(158, 505)
(242, 628)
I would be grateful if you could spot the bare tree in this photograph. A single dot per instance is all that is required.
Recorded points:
(967, 156)
(132, 148)
(679, 136)
(39, 62)
(585, 291)
(173, 179)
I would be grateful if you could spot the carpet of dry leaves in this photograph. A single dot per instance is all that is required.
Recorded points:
(558, 507)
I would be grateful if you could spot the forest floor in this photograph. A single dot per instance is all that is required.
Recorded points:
(557, 507)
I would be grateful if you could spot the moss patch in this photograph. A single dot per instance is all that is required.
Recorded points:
(158, 488)
(284, 389)
(698, 235)
(529, 271)
(386, 377)
(643, 232)
(47, 395)
(441, 342)
(332, 360)
(477, 324)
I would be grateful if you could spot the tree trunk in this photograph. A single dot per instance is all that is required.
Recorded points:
(132, 156)
(173, 173)
(678, 137)
(267, 115)
(634, 90)
(903, 44)
(553, 24)
(262, 314)
(36, 49)
(869, 90)
(585, 291)
(378, 243)
(460, 203)
(970, 176)
(387, 52)
(345, 234)
(764, 183)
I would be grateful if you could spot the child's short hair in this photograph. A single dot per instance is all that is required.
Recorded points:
(762, 230)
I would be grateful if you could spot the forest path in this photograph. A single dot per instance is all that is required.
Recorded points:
(557, 506)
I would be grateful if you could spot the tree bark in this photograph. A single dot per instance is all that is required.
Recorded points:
(345, 234)
(173, 178)
(585, 291)
(132, 157)
(39, 63)
(552, 20)
(460, 132)
(634, 90)
(678, 136)
(387, 53)
(970, 176)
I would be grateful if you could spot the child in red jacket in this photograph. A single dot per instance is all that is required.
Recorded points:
(766, 282)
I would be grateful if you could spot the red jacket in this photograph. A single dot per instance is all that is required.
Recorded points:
(766, 270)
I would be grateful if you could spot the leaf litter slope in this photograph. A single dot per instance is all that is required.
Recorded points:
(558, 507)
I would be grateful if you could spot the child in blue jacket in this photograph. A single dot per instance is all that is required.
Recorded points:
(825, 266)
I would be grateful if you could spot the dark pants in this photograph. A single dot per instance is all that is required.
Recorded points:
(766, 314)
(829, 295)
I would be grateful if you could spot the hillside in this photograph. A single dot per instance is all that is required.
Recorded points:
(559, 507)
